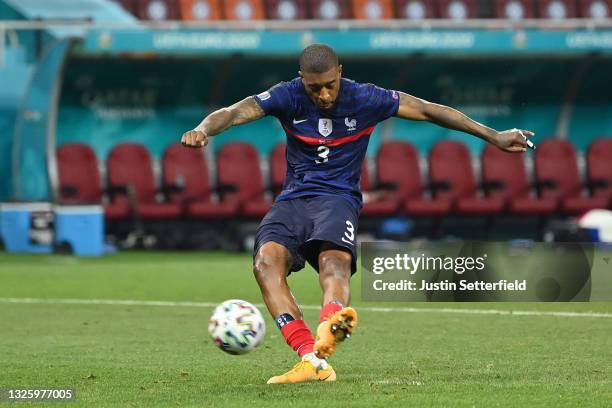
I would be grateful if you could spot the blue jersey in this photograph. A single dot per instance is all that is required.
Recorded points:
(326, 148)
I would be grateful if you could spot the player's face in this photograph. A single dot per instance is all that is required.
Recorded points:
(323, 88)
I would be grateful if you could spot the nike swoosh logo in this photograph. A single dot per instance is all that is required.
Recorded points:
(295, 122)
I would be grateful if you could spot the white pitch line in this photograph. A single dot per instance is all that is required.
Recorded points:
(165, 303)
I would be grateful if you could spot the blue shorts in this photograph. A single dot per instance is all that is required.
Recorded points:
(301, 225)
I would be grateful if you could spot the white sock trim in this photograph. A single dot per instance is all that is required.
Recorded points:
(320, 363)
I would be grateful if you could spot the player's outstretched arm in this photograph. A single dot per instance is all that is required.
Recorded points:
(413, 108)
(245, 111)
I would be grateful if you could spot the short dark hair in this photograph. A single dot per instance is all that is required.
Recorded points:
(318, 58)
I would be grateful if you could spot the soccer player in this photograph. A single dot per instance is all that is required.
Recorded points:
(328, 121)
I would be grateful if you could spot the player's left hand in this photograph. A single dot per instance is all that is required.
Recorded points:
(514, 140)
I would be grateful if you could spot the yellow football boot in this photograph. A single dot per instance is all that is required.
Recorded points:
(337, 328)
(304, 371)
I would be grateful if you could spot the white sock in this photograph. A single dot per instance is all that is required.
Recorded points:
(315, 361)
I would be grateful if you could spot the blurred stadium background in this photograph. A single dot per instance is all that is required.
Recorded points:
(96, 93)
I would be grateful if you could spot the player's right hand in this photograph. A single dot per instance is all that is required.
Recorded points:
(194, 138)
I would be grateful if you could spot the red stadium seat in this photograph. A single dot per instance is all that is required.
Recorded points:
(506, 177)
(599, 168)
(373, 9)
(79, 180)
(278, 168)
(157, 10)
(514, 9)
(78, 173)
(130, 168)
(238, 169)
(376, 202)
(397, 166)
(331, 9)
(556, 9)
(415, 9)
(287, 9)
(200, 10)
(597, 9)
(243, 9)
(128, 5)
(185, 177)
(557, 173)
(451, 173)
(457, 9)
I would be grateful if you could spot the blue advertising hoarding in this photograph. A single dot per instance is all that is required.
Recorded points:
(346, 42)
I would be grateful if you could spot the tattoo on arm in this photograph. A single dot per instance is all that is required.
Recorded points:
(418, 109)
(245, 111)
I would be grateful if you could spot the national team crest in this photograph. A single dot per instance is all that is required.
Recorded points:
(325, 127)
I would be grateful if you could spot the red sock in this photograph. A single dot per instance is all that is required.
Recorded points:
(299, 337)
(328, 310)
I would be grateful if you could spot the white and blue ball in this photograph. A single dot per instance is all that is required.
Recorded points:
(237, 326)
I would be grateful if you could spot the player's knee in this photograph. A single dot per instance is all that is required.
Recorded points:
(336, 264)
(270, 258)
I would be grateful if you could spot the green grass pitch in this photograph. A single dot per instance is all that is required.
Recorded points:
(122, 355)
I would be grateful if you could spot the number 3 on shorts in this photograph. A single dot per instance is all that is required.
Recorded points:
(349, 234)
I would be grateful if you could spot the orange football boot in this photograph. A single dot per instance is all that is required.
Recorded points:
(337, 328)
(304, 371)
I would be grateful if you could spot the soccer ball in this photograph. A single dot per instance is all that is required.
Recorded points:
(236, 326)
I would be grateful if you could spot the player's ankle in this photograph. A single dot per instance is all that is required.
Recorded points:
(329, 309)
